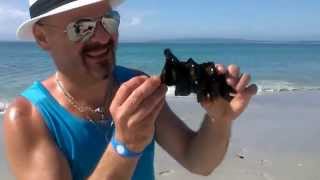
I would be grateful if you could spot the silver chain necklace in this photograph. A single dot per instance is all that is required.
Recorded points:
(81, 108)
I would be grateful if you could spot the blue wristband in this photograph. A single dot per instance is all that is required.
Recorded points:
(122, 150)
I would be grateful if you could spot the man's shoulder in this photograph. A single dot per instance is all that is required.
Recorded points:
(27, 142)
(22, 118)
(124, 74)
(134, 71)
(139, 72)
(18, 108)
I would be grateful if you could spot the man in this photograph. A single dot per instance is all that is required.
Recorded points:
(95, 120)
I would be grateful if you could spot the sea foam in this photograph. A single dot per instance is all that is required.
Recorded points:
(268, 87)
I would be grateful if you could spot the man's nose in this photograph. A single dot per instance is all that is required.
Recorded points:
(101, 35)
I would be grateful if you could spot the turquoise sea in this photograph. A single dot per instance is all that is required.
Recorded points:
(274, 67)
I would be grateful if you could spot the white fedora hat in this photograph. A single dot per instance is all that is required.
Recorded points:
(43, 8)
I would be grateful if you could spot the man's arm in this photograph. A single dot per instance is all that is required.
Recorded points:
(30, 150)
(32, 153)
(199, 152)
(202, 151)
(134, 110)
(114, 167)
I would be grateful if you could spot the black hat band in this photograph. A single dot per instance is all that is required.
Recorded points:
(43, 6)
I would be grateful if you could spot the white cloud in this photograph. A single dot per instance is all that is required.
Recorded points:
(135, 21)
(134, 18)
(10, 19)
(131, 21)
(12, 13)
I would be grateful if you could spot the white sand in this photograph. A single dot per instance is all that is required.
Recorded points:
(277, 136)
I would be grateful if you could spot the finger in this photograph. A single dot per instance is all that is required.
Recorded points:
(155, 114)
(138, 95)
(148, 105)
(232, 82)
(251, 90)
(220, 69)
(150, 118)
(243, 82)
(233, 71)
(126, 89)
(241, 101)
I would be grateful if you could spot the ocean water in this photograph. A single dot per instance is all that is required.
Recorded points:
(274, 67)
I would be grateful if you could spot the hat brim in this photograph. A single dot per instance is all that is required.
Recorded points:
(24, 31)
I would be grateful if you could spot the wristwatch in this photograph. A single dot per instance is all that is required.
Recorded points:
(122, 150)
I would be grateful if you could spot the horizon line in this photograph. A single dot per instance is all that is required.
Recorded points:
(227, 40)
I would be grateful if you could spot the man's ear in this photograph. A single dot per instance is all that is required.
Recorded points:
(40, 36)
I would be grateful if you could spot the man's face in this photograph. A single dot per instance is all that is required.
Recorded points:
(94, 57)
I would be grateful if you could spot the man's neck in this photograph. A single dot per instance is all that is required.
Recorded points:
(91, 92)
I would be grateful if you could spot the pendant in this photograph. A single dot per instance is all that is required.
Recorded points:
(100, 110)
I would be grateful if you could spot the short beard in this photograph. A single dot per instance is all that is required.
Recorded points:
(112, 46)
(113, 56)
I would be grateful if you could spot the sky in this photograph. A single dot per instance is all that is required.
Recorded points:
(283, 20)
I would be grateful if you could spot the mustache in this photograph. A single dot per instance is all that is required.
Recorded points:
(99, 46)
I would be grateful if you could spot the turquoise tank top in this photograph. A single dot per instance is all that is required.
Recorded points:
(82, 142)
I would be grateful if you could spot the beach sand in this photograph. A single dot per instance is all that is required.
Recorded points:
(276, 136)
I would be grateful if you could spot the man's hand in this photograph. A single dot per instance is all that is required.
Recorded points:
(222, 110)
(135, 108)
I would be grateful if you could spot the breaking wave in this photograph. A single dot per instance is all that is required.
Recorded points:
(3, 106)
(271, 87)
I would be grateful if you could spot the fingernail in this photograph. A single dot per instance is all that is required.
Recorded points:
(144, 76)
(229, 81)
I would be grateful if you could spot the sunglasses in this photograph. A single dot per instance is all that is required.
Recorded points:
(83, 29)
